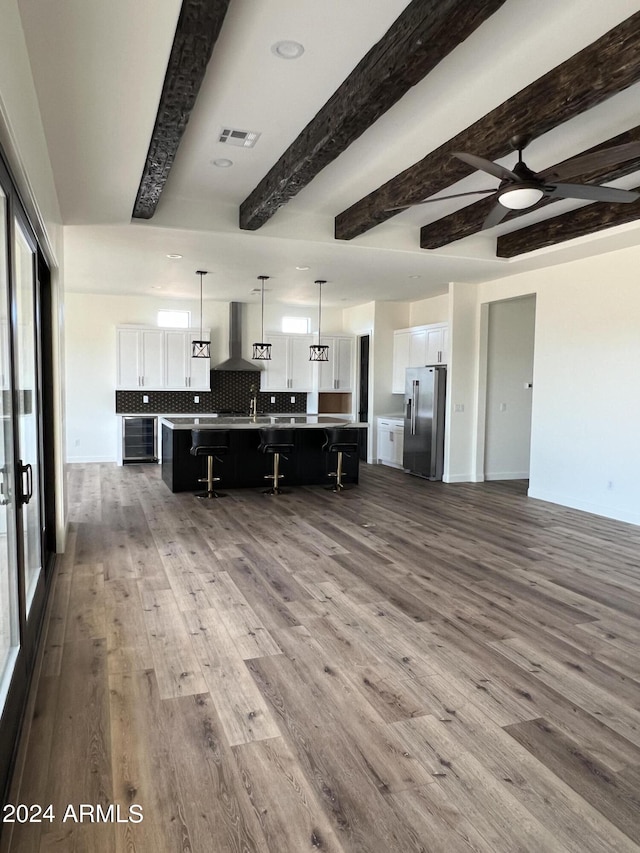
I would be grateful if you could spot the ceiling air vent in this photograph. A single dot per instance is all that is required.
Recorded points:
(241, 138)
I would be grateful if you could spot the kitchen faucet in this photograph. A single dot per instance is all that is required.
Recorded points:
(253, 405)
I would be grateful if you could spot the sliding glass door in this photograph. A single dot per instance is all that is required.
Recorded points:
(9, 624)
(22, 534)
(28, 411)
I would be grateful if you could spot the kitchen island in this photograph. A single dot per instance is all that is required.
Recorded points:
(244, 466)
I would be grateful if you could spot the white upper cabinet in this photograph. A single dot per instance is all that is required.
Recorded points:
(289, 368)
(416, 347)
(139, 358)
(159, 359)
(181, 369)
(437, 339)
(337, 373)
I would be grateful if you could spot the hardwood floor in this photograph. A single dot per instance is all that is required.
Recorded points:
(408, 667)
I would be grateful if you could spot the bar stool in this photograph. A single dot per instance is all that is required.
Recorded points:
(276, 440)
(211, 443)
(340, 440)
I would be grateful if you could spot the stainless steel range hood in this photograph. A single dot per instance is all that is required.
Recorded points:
(235, 360)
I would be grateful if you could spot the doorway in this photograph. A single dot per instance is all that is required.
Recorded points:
(363, 392)
(509, 389)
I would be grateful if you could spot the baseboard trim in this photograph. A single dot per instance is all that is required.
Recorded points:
(617, 513)
(507, 475)
(83, 460)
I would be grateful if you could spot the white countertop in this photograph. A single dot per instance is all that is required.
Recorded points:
(300, 421)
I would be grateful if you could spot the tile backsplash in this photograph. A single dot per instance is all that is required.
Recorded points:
(231, 391)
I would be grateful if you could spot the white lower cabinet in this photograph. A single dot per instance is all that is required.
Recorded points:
(390, 441)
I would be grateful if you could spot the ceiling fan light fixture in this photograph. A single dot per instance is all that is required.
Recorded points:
(519, 198)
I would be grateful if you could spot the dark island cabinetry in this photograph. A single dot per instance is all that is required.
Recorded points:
(244, 466)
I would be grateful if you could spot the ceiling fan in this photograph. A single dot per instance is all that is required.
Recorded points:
(521, 188)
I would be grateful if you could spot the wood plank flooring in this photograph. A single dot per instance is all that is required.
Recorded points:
(407, 667)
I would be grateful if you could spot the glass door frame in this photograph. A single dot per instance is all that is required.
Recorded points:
(29, 629)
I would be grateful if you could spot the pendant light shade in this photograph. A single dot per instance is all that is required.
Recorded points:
(319, 352)
(201, 349)
(262, 350)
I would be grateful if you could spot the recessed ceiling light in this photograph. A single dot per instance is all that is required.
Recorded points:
(222, 163)
(174, 257)
(156, 287)
(302, 268)
(287, 49)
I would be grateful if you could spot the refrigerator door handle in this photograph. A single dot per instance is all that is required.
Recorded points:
(414, 405)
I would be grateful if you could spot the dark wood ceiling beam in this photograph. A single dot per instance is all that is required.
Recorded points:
(604, 68)
(418, 40)
(577, 223)
(468, 220)
(199, 25)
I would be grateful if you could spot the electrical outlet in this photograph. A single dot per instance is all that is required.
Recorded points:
(77, 442)
(273, 399)
(196, 399)
(145, 398)
(503, 407)
(293, 399)
(459, 407)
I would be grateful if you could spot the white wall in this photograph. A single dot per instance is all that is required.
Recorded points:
(462, 383)
(22, 135)
(508, 404)
(586, 392)
(433, 310)
(24, 143)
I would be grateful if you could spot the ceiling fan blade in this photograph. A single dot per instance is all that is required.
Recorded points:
(592, 193)
(496, 215)
(441, 198)
(590, 162)
(486, 166)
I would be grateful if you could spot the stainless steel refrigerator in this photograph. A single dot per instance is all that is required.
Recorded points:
(424, 406)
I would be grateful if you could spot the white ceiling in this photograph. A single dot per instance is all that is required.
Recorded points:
(99, 68)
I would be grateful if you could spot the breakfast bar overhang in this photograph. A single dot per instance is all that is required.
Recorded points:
(244, 466)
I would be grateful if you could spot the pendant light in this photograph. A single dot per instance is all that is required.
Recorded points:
(319, 352)
(261, 350)
(201, 349)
